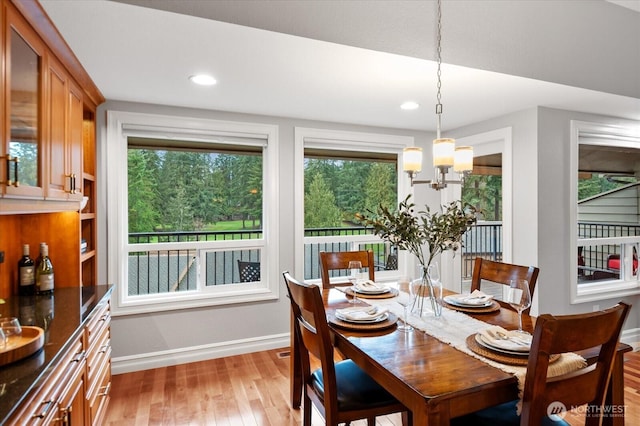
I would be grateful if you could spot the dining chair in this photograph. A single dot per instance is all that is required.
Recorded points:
(341, 391)
(340, 260)
(598, 331)
(503, 273)
(249, 271)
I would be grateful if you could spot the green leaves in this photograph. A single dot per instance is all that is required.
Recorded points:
(410, 230)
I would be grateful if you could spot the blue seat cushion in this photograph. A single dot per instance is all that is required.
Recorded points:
(501, 415)
(356, 389)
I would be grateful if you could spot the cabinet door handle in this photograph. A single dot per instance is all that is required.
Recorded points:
(72, 183)
(45, 410)
(106, 390)
(64, 416)
(79, 356)
(15, 161)
(104, 349)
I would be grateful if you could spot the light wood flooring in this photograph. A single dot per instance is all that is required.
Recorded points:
(250, 389)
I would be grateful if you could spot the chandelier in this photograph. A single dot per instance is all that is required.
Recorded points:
(445, 153)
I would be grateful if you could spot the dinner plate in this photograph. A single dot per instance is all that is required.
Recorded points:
(453, 300)
(483, 342)
(377, 319)
(372, 291)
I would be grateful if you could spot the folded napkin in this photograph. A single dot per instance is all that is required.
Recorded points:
(368, 286)
(475, 298)
(361, 313)
(504, 339)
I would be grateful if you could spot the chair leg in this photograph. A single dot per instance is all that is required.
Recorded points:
(371, 421)
(407, 418)
(306, 411)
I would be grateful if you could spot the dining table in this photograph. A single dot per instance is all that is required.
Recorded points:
(433, 379)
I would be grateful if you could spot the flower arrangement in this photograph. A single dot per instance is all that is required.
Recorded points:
(410, 230)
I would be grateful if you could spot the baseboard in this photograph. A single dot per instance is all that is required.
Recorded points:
(129, 364)
(632, 338)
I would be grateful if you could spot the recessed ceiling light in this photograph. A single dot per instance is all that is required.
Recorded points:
(410, 105)
(203, 79)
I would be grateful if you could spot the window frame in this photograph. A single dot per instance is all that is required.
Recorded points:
(341, 140)
(600, 134)
(120, 126)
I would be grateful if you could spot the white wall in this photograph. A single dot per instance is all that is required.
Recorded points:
(164, 338)
(540, 233)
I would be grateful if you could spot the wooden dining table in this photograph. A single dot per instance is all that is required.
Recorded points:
(433, 379)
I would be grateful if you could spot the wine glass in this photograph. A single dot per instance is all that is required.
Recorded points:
(405, 300)
(355, 267)
(11, 328)
(518, 296)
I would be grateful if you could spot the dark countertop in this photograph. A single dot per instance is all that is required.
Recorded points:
(72, 307)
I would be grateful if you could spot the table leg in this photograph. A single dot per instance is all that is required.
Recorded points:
(614, 401)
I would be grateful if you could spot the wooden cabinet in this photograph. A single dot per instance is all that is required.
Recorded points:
(61, 397)
(47, 144)
(63, 135)
(98, 343)
(78, 388)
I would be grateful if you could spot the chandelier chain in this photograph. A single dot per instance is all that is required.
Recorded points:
(439, 53)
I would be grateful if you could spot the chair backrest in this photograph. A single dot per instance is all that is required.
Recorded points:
(249, 271)
(559, 334)
(340, 260)
(503, 273)
(311, 333)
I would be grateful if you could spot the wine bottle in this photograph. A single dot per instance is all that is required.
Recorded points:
(44, 272)
(26, 273)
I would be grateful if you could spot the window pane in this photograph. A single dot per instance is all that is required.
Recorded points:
(187, 195)
(339, 184)
(483, 190)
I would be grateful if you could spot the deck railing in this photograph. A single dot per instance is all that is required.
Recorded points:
(593, 260)
(161, 271)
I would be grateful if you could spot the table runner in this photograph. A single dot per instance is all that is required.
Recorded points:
(454, 327)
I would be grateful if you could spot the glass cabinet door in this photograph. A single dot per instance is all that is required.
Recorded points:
(24, 92)
(24, 52)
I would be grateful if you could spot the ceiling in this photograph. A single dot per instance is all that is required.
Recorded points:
(144, 54)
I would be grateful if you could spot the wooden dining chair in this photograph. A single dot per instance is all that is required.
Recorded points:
(503, 273)
(598, 331)
(341, 391)
(340, 260)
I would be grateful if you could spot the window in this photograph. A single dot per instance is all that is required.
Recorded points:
(197, 212)
(489, 188)
(606, 188)
(341, 174)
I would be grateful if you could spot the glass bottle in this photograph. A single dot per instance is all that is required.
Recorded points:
(26, 273)
(44, 272)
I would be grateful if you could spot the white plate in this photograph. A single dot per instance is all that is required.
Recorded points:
(380, 318)
(453, 300)
(491, 345)
(372, 291)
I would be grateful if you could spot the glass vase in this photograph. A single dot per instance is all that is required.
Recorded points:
(427, 291)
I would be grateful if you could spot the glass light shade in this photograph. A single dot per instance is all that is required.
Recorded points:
(463, 159)
(412, 159)
(443, 150)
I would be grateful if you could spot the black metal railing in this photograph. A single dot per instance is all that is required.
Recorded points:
(161, 271)
(594, 260)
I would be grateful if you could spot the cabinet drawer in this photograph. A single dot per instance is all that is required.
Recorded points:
(98, 356)
(42, 406)
(100, 321)
(99, 396)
